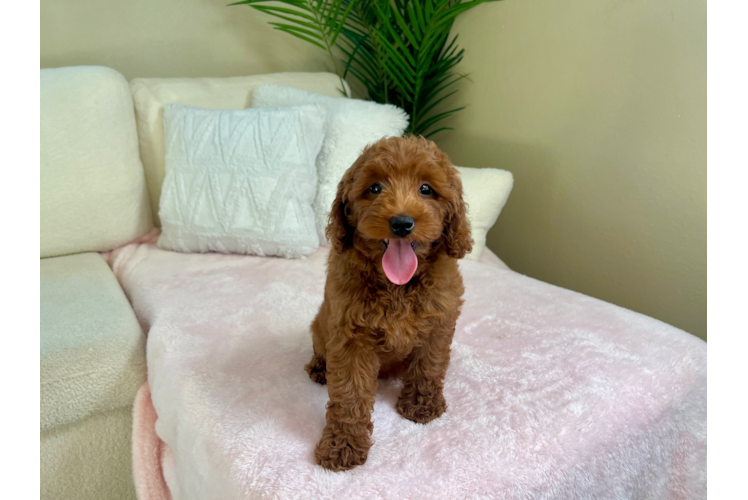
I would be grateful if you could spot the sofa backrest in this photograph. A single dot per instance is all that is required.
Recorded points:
(151, 94)
(93, 191)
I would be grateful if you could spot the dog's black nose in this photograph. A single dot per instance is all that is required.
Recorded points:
(402, 225)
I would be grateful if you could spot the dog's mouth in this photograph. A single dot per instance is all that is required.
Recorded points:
(386, 242)
(399, 261)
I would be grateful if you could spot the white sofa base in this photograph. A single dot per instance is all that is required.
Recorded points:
(89, 459)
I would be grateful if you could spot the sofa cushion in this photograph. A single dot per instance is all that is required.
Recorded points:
(92, 347)
(89, 459)
(550, 394)
(150, 95)
(485, 191)
(93, 192)
(351, 125)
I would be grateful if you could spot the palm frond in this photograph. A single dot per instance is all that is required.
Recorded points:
(318, 22)
(399, 50)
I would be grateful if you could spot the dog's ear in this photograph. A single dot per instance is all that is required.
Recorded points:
(457, 239)
(339, 231)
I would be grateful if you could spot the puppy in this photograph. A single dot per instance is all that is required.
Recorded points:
(393, 291)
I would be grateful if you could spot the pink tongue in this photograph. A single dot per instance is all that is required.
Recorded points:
(399, 261)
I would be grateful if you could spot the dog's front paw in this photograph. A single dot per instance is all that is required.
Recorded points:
(341, 451)
(421, 409)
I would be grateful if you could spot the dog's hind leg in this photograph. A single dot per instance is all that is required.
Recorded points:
(317, 367)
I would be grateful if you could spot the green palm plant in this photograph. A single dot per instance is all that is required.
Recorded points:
(400, 50)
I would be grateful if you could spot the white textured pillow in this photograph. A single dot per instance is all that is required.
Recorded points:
(485, 190)
(151, 94)
(241, 181)
(351, 125)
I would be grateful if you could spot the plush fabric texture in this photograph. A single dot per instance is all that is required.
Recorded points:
(351, 125)
(93, 192)
(89, 459)
(148, 450)
(151, 94)
(485, 190)
(92, 347)
(551, 394)
(241, 181)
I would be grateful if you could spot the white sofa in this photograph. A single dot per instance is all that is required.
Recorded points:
(94, 198)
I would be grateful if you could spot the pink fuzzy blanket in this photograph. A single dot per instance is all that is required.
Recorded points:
(551, 394)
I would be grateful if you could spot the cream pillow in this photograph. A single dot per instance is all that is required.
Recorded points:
(241, 181)
(351, 125)
(485, 190)
(150, 95)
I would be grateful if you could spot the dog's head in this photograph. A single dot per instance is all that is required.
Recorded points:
(400, 202)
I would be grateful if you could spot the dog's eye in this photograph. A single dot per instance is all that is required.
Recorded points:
(426, 190)
(375, 188)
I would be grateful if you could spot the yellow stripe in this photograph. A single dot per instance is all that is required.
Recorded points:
(712, 356)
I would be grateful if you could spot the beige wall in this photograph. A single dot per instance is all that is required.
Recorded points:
(598, 108)
(165, 38)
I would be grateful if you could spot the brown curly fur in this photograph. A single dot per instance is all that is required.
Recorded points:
(368, 327)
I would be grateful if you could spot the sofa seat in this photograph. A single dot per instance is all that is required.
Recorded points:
(551, 394)
(92, 348)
